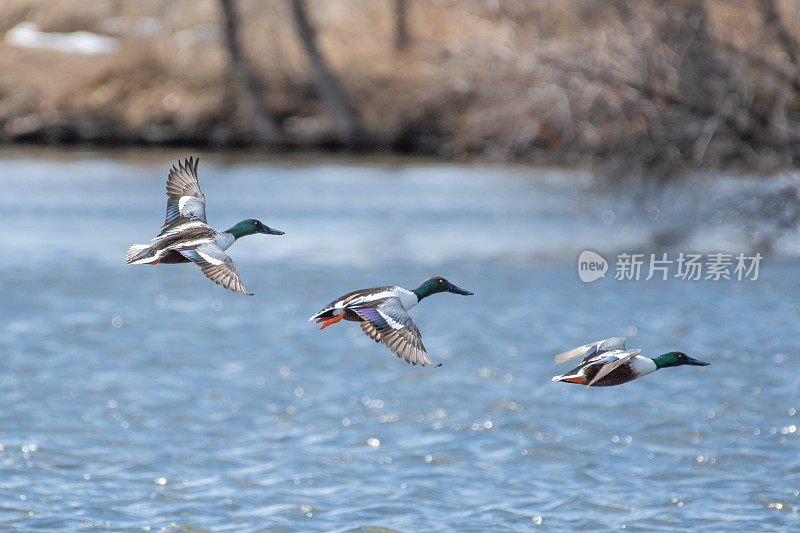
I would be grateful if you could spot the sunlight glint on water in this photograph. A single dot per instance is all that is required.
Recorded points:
(147, 397)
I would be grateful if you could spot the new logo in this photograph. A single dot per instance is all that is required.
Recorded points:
(591, 266)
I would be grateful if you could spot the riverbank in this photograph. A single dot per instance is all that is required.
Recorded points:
(658, 87)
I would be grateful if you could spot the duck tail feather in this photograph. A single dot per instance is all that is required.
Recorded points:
(136, 253)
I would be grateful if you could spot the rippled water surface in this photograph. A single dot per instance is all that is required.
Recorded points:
(138, 397)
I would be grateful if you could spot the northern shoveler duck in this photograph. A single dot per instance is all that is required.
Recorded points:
(382, 312)
(185, 235)
(608, 362)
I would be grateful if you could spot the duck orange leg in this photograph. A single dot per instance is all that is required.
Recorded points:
(329, 321)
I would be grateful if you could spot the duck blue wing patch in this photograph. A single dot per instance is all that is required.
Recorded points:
(389, 313)
(374, 317)
(389, 323)
(591, 353)
(614, 343)
(192, 255)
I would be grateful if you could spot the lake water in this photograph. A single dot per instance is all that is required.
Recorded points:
(148, 398)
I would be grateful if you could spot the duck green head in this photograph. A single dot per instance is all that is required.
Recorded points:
(437, 284)
(251, 226)
(676, 359)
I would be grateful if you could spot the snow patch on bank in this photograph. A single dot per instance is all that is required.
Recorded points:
(29, 35)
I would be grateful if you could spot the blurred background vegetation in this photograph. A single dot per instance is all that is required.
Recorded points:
(632, 88)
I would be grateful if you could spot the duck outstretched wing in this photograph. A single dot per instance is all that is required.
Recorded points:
(588, 351)
(388, 322)
(217, 265)
(185, 201)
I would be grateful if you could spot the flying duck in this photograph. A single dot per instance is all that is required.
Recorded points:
(383, 314)
(608, 362)
(185, 235)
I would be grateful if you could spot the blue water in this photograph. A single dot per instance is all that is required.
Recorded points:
(148, 398)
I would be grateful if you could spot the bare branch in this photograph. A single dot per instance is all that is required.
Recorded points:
(401, 36)
(779, 71)
(652, 93)
(772, 18)
(347, 121)
(266, 130)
